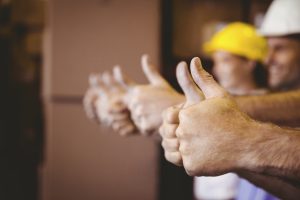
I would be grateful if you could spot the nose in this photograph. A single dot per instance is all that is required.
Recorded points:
(215, 70)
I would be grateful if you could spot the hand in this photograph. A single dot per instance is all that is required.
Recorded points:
(91, 95)
(212, 133)
(167, 131)
(111, 108)
(146, 102)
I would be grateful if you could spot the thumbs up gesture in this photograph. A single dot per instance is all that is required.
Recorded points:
(146, 102)
(206, 133)
(91, 96)
(110, 105)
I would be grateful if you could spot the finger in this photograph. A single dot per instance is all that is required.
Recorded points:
(93, 80)
(117, 107)
(139, 111)
(186, 82)
(118, 125)
(108, 79)
(170, 115)
(161, 131)
(134, 102)
(120, 116)
(151, 72)
(146, 126)
(170, 145)
(168, 130)
(205, 81)
(122, 79)
(128, 130)
(174, 157)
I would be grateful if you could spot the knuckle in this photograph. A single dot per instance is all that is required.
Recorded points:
(164, 113)
(189, 167)
(171, 115)
(173, 157)
(129, 129)
(161, 131)
(176, 144)
(182, 115)
(185, 148)
(163, 144)
(179, 133)
(139, 111)
(171, 130)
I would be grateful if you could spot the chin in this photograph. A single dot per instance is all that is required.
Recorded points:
(225, 84)
(276, 85)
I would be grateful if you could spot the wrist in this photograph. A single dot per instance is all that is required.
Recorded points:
(246, 158)
(266, 150)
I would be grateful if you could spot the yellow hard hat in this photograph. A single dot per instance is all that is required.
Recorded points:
(240, 39)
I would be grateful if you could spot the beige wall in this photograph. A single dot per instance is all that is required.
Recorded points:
(83, 160)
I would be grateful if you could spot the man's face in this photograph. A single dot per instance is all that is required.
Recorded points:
(230, 70)
(283, 62)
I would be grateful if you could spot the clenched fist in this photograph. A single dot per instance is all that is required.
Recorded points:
(91, 95)
(211, 131)
(146, 102)
(111, 108)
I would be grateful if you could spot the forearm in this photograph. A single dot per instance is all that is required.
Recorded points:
(274, 185)
(279, 108)
(273, 151)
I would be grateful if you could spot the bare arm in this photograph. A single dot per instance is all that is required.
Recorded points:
(280, 108)
(273, 151)
(274, 185)
(214, 136)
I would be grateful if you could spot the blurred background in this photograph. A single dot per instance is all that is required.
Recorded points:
(49, 149)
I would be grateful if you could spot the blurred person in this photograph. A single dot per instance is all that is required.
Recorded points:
(237, 52)
(213, 136)
(281, 27)
(264, 107)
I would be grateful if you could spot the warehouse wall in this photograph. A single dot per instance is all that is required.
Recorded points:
(84, 160)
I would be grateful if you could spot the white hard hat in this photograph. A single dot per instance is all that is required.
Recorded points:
(282, 18)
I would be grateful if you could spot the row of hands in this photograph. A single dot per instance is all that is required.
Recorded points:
(202, 130)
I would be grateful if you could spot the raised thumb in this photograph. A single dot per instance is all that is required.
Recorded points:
(205, 81)
(93, 80)
(126, 82)
(151, 72)
(192, 92)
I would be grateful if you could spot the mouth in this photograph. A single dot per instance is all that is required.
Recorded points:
(275, 69)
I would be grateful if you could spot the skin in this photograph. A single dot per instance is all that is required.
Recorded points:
(105, 100)
(286, 105)
(283, 61)
(234, 73)
(283, 57)
(91, 96)
(236, 143)
(146, 102)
